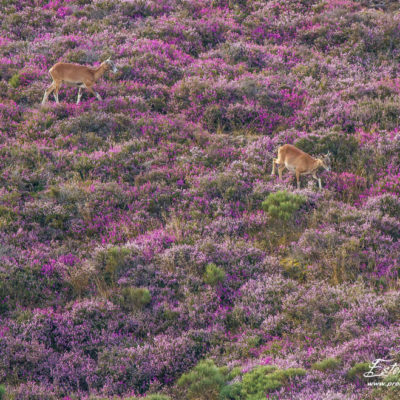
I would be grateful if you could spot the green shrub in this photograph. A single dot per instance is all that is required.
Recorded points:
(328, 363)
(389, 204)
(25, 286)
(149, 397)
(357, 370)
(135, 298)
(213, 274)
(109, 263)
(282, 205)
(293, 269)
(203, 382)
(214, 117)
(267, 378)
(83, 166)
(231, 392)
(115, 257)
(14, 81)
(2, 392)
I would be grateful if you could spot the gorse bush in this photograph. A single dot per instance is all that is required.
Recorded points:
(282, 205)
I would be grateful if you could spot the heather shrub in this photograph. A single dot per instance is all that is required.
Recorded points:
(347, 186)
(282, 205)
(324, 301)
(261, 297)
(25, 286)
(187, 257)
(32, 391)
(95, 312)
(386, 203)
(164, 360)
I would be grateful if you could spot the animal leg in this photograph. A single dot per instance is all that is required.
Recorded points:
(274, 162)
(47, 92)
(79, 95)
(94, 93)
(319, 181)
(298, 178)
(57, 88)
(280, 170)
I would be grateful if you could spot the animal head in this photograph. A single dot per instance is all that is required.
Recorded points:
(110, 64)
(325, 161)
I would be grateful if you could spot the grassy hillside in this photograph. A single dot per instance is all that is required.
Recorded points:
(145, 248)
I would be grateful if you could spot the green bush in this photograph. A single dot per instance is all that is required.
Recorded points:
(2, 392)
(149, 397)
(213, 274)
(267, 378)
(14, 81)
(357, 370)
(232, 392)
(135, 298)
(294, 269)
(83, 166)
(327, 364)
(282, 205)
(214, 117)
(114, 260)
(204, 382)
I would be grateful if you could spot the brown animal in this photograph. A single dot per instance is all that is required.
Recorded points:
(299, 162)
(76, 75)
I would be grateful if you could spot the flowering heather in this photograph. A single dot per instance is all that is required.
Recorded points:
(142, 253)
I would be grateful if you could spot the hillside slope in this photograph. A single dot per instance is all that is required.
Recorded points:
(137, 235)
